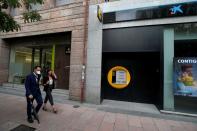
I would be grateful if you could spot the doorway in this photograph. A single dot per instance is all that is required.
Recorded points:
(62, 66)
(24, 58)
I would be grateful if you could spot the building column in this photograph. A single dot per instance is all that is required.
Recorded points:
(40, 60)
(4, 61)
(32, 59)
(11, 63)
(94, 58)
(168, 68)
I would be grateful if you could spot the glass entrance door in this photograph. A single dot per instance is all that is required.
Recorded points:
(35, 57)
(20, 64)
(56, 57)
(23, 59)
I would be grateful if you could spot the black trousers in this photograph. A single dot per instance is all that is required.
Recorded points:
(49, 96)
(39, 101)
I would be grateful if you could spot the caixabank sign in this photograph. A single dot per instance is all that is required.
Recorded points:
(185, 76)
(156, 12)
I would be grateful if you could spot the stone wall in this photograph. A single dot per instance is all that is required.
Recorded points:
(67, 18)
(60, 19)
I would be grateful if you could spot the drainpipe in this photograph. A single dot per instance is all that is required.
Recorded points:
(86, 4)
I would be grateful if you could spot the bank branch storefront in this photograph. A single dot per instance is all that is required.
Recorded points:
(144, 52)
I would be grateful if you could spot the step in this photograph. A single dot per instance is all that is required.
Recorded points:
(20, 90)
(21, 87)
(55, 97)
(13, 89)
(12, 85)
(129, 106)
(22, 93)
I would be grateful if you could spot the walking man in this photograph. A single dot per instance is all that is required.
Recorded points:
(33, 92)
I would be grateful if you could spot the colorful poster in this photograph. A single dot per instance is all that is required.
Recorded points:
(185, 76)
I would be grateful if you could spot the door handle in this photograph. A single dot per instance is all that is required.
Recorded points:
(67, 67)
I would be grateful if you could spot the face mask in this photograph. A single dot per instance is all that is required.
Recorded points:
(38, 72)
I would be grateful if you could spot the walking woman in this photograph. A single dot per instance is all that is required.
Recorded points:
(49, 84)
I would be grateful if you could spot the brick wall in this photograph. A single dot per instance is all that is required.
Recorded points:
(65, 18)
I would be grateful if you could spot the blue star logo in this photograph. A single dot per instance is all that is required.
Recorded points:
(176, 9)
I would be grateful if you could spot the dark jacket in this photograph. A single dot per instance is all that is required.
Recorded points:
(46, 86)
(32, 85)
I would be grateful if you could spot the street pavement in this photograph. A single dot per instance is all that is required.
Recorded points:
(84, 118)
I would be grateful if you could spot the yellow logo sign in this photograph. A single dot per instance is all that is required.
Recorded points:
(119, 77)
(99, 13)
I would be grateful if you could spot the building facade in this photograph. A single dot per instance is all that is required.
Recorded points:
(133, 50)
(127, 50)
(57, 42)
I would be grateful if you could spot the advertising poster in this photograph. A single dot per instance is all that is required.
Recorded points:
(185, 76)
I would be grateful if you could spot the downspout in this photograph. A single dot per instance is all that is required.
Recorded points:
(86, 4)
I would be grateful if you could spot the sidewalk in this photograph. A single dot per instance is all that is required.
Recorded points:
(13, 113)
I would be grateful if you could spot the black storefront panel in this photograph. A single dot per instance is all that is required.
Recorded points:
(145, 77)
(137, 39)
(138, 50)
